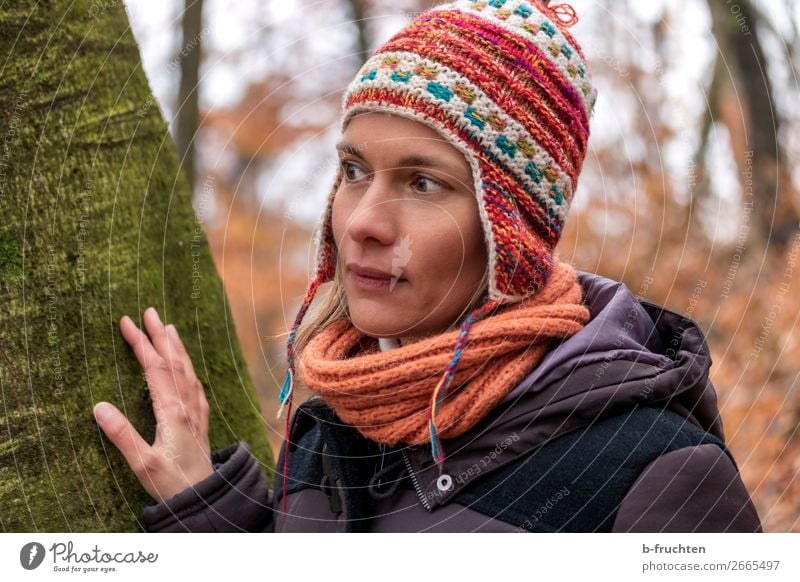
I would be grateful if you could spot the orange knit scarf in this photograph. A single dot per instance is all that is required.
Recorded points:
(386, 395)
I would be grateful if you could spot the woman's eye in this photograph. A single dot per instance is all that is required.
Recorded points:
(431, 184)
(420, 183)
(347, 174)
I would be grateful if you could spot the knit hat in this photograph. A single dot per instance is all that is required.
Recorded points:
(507, 85)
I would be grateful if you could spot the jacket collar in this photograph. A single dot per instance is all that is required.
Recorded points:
(631, 352)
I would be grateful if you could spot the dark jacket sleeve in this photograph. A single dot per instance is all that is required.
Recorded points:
(692, 489)
(235, 498)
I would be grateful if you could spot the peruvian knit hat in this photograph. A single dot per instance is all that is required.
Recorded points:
(507, 85)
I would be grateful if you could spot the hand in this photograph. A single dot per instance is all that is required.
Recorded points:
(180, 455)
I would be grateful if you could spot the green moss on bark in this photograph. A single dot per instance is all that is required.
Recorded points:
(97, 222)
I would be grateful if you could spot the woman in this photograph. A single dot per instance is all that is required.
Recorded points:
(464, 377)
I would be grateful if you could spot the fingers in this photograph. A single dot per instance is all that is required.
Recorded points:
(163, 343)
(167, 365)
(168, 344)
(138, 454)
(179, 405)
(196, 392)
(180, 350)
(136, 338)
(158, 334)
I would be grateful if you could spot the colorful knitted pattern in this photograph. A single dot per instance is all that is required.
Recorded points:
(506, 84)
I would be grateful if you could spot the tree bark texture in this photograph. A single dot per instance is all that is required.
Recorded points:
(97, 221)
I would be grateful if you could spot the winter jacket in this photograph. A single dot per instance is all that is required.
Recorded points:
(615, 430)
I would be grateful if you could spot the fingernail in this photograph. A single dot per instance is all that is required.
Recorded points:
(171, 329)
(103, 411)
(155, 313)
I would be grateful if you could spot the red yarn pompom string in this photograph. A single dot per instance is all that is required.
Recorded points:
(564, 13)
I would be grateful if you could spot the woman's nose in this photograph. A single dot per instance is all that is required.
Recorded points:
(376, 215)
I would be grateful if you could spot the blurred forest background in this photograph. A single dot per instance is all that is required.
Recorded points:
(689, 193)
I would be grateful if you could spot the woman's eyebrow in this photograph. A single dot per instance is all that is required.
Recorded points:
(417, 160)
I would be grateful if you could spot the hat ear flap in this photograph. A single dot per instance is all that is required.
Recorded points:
(325, 244)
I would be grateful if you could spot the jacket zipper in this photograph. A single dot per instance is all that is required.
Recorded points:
(420, 494)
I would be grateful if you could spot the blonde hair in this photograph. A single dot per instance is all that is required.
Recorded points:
(334, 306)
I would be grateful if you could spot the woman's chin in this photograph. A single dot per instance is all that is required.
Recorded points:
(379, 322)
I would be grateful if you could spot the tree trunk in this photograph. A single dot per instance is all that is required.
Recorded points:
(187, 108)
(97, 222)
(358, 13)
(756, 128)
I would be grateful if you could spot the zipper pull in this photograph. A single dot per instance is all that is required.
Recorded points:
(328, 485)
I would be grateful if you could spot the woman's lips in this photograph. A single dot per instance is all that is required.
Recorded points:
(371, 283)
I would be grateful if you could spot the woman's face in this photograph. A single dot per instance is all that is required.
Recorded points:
(406, 209)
